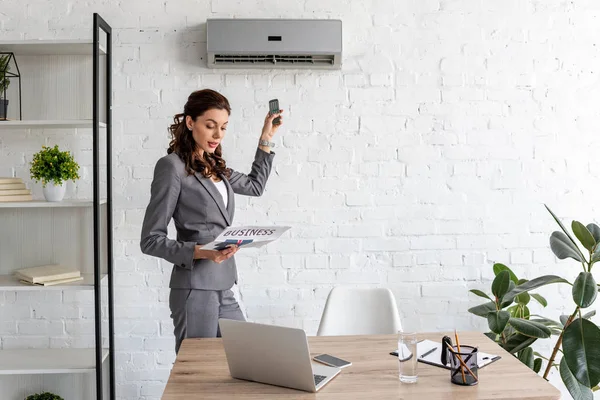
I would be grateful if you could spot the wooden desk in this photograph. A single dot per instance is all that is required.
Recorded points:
(201, 372)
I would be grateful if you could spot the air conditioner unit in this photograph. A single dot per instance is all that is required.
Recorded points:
(274, 43)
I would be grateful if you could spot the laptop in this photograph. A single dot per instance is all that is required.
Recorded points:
(270, 354)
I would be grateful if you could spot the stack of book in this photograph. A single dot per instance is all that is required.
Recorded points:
(13, 189)
(47, 275)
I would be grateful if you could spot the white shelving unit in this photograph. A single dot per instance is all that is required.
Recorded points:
(48, 124)
(11, 283)
(49, 204)
(63, 85)
(48, 361)
(49, 47)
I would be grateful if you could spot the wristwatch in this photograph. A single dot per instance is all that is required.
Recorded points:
(266, 143)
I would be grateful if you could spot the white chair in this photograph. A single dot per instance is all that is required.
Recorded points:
(359, 311)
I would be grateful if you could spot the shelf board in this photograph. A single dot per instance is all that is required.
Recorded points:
(10, 283)
(48, 204)
(48, 361)
(48, 47)
(50, 124)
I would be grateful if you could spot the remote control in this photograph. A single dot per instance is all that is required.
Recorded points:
(274, 109)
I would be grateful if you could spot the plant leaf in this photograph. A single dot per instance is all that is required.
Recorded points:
(564, 319)
(500, 284)
(595, 231)
(534, 284)
(480, 294)
(576, 389)
(537, 365)
(523, 299)
(596, 255)
(526, 357)
(497, 321)
(491, 335)
(547, 321)
(584, 290)
(589, 314)
(581, 348)
(583, 235)
(501, 267)
(565, 231)
(540, 299)
(562, 247)
(507, 301)
(518, 342)
(530, 328)
(484, 309)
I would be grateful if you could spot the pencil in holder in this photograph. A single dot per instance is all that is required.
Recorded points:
(463, 373)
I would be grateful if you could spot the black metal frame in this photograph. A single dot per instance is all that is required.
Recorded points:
(100, 24)
(10, 75)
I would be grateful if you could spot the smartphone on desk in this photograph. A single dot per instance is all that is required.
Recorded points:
(332, 361)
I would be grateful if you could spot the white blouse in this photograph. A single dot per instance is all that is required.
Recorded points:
(222, 189)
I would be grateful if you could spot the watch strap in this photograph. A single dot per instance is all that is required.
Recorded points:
(266, 143)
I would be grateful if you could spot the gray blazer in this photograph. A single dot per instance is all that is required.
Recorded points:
(200, 215)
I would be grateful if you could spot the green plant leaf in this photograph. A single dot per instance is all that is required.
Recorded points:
(537, 365)
(497, 321)
(584, 290)
(534, 284)
(491, 335)
(500, 284)
(581, 348)
(526, 357)
(546, 321)
(563, 319)
(540, 299)
(501, 267)
(507, 301)
(576, 389)
(530, 328)
(523, 299)
(484, 309)
(596, 255)
(589, 315)
(480, 294)
(565, 232)
(583, 235)
(518, 342)
(562, 247)
(595, 231)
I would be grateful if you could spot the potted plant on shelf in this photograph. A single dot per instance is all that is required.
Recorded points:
(515, 329)
(4, 83)
(44, 396)
(53, 167)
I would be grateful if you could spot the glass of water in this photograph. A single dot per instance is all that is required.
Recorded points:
(407, 357)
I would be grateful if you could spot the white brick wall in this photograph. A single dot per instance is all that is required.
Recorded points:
(424, 160)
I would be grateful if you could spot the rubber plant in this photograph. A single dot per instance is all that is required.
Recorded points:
(578, 338)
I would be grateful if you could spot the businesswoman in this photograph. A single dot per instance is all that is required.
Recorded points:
(193, 185)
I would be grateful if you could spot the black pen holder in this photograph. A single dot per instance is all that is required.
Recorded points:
(459, 374)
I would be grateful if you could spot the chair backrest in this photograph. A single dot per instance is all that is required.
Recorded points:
(359, 311)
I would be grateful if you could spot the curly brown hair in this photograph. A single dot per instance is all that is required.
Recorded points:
(183, 143)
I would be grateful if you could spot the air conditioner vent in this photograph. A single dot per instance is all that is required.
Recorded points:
(274, 59)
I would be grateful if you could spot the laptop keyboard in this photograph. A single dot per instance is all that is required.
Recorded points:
(318, 378)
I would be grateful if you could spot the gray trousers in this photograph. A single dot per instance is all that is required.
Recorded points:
(196, 312)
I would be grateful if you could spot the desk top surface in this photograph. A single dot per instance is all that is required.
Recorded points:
(201, 370)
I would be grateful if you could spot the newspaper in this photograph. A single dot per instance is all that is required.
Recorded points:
(246, 236)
